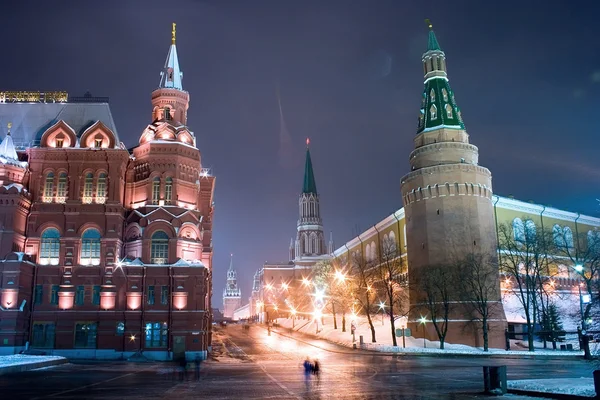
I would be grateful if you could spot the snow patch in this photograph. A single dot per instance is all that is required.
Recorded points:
(574, 386)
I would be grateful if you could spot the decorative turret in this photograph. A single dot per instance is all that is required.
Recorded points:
(7, 148)
(438, 106)
(170, 102)
(309, 240)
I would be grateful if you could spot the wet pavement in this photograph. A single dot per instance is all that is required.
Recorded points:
(253, 365)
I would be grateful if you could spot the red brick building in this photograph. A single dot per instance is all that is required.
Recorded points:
(104, 251)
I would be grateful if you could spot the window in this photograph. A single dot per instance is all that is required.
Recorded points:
(61, 194)
(85, 335)
(50, 247)
(168, 190)
(164, 295)
(432, 95)
(159, 249)
(151, 295)
(557, 235)
(120, 328)
(156, 334)
(88, 186)
(101, 188)
(593, 239)
(433, 112)
(96, 295)
(90, 247)
(43, 335)
(80, 295)
(155, 190)
(48, 188)
(518, 230)
(97, 143)
(530, 230)
(38, 296)
(167, 113)
(444, 93)
(449, 111)
(568, 236)
(54, 295)
(59, 143)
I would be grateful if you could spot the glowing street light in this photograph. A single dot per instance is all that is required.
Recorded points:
(284, 286)
(578, 268)
(339, 275)
(319, 294)
(423, 321)
(269, 286)
(305, 282)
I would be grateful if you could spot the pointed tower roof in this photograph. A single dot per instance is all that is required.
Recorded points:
(171, 76)
(231, 263)
(432, 43)
(310, 185)
(438, 106)
(7, 147)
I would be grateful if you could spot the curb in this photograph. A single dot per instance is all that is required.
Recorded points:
(558, 396)
(27, 367)
(416, 354)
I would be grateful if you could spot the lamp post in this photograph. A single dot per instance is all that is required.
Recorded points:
(583, 299)
(382, 308)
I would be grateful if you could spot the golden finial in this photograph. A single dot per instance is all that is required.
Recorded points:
(428, 22)
(173, 33)
(9, 125)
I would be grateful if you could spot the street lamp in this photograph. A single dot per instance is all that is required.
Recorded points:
(382, 308)
(423, 321)
(305, 282)
(340, 277)
(317, 313)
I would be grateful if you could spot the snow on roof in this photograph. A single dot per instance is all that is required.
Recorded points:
(31, 120)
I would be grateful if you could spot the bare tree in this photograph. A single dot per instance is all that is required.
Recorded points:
(324, 280)
(523, 260)
(363, 279)
(437, 284)
(582, 251)
(391, 276)
(479, 289)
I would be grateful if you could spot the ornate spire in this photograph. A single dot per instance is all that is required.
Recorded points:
(432, 43)
(7, 147)
(309, 177)
(230, 263)
(438, 106)
(171, 76)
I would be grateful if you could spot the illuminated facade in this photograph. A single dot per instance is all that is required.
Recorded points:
(105, 252)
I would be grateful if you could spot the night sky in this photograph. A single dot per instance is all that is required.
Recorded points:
(526, 75)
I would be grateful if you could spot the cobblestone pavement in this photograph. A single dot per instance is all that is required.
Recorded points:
(253, 365)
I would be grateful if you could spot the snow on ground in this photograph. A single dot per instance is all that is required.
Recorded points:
(21, 359)
(574, 386)
(383, 335)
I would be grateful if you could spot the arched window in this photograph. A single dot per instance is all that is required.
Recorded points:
(432, 95)
(167, 114)
(593, 240)
(518, 230)
(449, 111)
(101, 188)
(49, 188)
(159, 249)
(392, 246)
(557, 236)
(373, 251)
(155, 190)
(90, 247)
(433, 112)
(168, 190)
(568, 239)
(61, 193)
(444, 94)
(88, 186)
(530, 231)
(50, 247)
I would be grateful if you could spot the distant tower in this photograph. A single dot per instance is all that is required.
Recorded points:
(309, 239)
(447, 196)
(232, 296)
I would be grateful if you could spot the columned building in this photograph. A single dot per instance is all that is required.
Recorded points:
(106, 252)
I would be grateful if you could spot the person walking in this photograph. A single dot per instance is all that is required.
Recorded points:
(316, 370)
(308, 369)
(182, 368)
(197, 362)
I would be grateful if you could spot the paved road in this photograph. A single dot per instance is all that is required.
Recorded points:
(253, 365)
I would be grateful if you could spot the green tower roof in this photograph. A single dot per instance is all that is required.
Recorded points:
(309, 185)
(432, 43)
(438, 107)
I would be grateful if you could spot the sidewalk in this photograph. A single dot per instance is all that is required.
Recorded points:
(414, 346)
(20, 363)
(562, 388)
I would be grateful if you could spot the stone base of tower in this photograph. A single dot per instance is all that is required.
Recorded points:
(463, 332)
